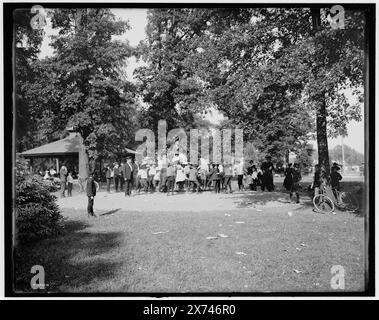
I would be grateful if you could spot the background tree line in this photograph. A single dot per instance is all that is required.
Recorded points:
(280, 74)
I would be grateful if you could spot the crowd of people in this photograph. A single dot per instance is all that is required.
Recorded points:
(181, 176)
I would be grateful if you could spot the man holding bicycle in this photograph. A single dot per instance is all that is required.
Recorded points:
(335, 178)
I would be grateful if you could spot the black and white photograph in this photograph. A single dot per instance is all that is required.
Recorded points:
(189, 149)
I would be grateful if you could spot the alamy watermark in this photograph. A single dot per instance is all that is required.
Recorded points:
(38, 21)
(337, 282)
(176, 139)
(38, 280)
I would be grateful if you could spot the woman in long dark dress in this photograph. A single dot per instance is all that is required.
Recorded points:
(288, 177)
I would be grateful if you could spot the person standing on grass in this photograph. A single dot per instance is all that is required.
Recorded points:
(335, 178)
(228, 174)
(287, 180)
(157, 178)
(295, 182)
(217, 179)
(221, 174)
(142, 173)
(239, 170)
(70, 182)
(128, 176)
(268, 179)
(254, 177)
(91, 193)
(108, 176)
(151, 174)
(63, 178)
(180, 178)
(203, 172)
(163, 176)
(211, 176)
(122, 178)
(116, 175)
(187, 168)
(193, 178)
(170, 179)
(249, 173)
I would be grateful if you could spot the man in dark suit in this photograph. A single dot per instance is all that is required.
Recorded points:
(268, 179)
(91, 193)
(116, 175)
(122, 180)
(127, 172)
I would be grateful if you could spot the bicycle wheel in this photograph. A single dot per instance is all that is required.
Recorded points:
(323, 204)
(349, 201)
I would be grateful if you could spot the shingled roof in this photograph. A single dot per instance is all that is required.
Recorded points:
(68, 145)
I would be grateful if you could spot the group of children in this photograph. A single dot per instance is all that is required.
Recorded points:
(180, 176)
(65, 177)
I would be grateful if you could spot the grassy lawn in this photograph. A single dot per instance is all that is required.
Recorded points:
(121, 251)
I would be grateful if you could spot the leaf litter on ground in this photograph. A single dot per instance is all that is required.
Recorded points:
(159, 232)
(221, 235)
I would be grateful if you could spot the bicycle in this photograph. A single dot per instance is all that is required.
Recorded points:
(327, 200)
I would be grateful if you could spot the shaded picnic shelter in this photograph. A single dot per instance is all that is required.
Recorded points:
(55, 153)
(68, 150)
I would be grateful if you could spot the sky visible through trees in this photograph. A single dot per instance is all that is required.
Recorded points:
(138, 20)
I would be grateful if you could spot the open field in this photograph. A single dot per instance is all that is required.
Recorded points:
(158, 243)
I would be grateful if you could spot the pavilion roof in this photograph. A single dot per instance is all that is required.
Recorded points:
(68, 145)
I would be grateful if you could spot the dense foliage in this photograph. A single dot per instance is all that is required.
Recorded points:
(83, 84)
(280, 74)
(37, 213)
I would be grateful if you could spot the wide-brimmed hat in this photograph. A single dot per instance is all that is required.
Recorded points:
(336, 166)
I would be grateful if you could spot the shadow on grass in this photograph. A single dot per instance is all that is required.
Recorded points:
(72, 260)
(281, 196)
(251, 198)
(110, 212)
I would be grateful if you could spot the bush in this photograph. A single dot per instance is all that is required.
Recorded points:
(37, 213)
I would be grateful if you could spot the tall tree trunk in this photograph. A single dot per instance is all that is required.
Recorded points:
(320, 102)
(322, 139)
(83, 161)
